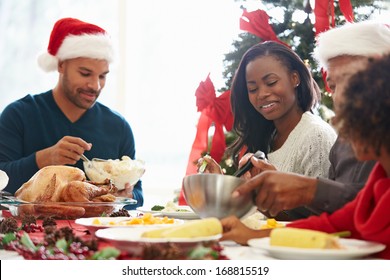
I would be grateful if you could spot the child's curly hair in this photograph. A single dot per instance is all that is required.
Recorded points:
(364, 115)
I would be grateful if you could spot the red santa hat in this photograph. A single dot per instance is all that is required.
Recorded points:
(366, 38)
(72, 38)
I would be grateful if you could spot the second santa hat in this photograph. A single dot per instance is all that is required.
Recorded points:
(73, 38)
(365, 38)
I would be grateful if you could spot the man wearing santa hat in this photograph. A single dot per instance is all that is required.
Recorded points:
(58, 126)
(340, 52)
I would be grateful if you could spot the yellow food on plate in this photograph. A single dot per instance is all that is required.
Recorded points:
(147, 219)
(303, 238)
(191, 229)
(271, 223)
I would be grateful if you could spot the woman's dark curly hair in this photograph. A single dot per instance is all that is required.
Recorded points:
(253, 130)
(364, 113)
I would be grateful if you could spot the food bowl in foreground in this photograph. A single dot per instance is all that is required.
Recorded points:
(210, 195)
(133, 241)
(120, 172)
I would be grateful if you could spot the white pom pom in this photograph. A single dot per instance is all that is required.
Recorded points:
(48, 62)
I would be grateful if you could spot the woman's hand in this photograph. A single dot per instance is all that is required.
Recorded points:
(259, 165)
(234, 229)
(211, 167)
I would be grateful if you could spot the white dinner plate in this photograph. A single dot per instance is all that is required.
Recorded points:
(147, 210)
(188, 214)
(130, 239)
(105, 222)
(352, 249)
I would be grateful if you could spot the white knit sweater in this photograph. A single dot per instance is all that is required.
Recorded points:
(306, 150)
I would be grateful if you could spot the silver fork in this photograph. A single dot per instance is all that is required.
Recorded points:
(84, 158)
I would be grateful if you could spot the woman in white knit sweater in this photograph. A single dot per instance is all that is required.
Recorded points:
(273, 95)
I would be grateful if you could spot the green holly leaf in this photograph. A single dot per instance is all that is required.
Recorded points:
(8, 237)
(26, 241)
(62, 245)
(107, 253)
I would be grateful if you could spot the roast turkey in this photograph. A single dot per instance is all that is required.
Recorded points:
(64, 184)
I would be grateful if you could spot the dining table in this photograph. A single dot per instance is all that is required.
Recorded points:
(258, 249)
(246, 262)
(231, 249)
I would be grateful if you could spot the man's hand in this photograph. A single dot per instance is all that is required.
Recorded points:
(66, 151)
(277, 191)
(126, 192)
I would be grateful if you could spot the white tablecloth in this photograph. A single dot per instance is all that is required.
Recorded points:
(237, 252)
(232, 250)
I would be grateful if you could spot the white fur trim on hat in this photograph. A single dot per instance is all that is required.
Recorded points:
(96, 46)
(367, 38)
(47, 62)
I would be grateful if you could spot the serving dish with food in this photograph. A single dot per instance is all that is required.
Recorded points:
(65, 210)
(171, 210)
(121, 171)
(135, 220)
(64, 192)
(185, 236)
(352, 249)
(305, 244)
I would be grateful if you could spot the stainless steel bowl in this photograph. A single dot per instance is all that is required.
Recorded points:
(210, 195)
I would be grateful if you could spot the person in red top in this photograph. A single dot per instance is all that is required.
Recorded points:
(362, 117)
(337, 51)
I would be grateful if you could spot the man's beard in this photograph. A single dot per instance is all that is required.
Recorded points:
(74, 97)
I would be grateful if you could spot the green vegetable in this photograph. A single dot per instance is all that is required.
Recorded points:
(157, 208)
(62, 244)
(26, 241)
(199, 253)
(202, 168)
(106, 253)
(8, 237)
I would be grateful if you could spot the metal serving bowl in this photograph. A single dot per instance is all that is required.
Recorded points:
(210, 195)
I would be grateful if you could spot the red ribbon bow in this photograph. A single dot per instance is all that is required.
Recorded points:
(256, 22)
(214, 110)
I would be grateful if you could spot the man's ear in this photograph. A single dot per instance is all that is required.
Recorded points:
(60, 66)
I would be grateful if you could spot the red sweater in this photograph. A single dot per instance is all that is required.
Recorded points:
(367, 217)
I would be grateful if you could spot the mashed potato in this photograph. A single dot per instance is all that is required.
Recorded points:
(3, 179)
(120, 172)
(254, 221)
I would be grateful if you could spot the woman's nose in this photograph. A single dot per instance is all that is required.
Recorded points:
(262, 94)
